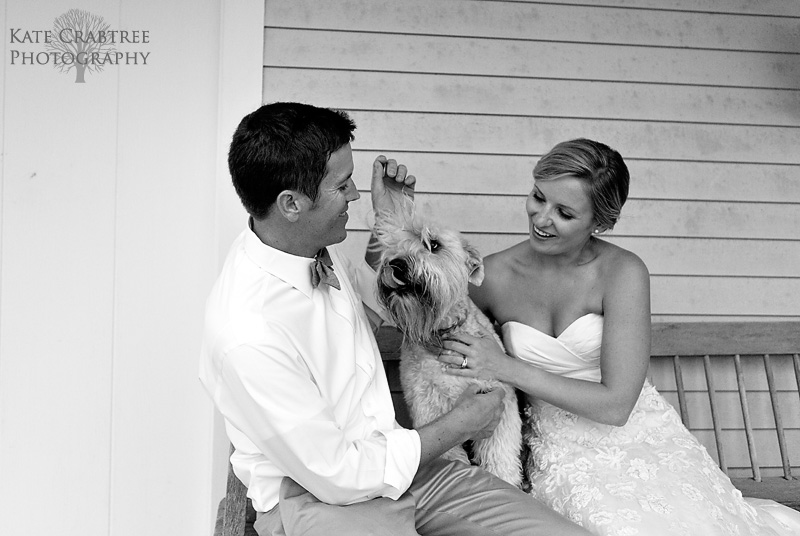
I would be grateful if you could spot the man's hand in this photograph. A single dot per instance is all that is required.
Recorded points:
(481, 410)
(392, 188)
(474, 416)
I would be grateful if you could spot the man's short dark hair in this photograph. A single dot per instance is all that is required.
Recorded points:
(284, 146)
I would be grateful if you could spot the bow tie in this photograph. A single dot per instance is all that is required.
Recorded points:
(322, 270)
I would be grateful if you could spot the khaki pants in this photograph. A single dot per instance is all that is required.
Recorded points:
(445, 499)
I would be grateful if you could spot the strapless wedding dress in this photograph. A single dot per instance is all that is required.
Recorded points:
(650, 477)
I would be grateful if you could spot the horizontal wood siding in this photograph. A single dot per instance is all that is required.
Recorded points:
(703, 102)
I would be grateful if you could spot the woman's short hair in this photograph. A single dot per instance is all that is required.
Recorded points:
(600, 167)
(284, 146)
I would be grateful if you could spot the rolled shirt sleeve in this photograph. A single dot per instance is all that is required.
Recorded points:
(269, 397)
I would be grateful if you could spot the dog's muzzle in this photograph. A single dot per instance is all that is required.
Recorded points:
(394, 274)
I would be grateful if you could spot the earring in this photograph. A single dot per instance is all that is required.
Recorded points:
(596, 231)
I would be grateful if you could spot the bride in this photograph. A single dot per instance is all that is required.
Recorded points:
(607, 451)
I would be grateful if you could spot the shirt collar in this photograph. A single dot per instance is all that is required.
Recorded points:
(291, 269)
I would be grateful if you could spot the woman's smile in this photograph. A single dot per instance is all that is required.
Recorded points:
(541, 234)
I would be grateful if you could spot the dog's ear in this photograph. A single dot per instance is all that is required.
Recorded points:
(474, 264)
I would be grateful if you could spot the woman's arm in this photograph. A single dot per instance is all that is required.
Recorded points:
(625, 353)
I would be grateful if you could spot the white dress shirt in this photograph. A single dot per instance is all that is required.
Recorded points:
(297, 375)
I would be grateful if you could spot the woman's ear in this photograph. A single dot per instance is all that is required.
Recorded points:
(599, 228)
(291, 204)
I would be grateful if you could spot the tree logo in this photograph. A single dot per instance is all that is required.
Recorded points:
(78, 40)
(80, 35)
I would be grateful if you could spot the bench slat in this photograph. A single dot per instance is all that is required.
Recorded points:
(787, 469)
(748, 427)
(725, 338)
(676, 363)
(712, 400)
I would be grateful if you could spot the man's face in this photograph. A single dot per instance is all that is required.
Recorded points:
(326, 219)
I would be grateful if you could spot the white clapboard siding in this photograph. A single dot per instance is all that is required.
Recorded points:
(652, 179)
(520, 135)
(729, 7)
(479, 57)
(666, 256)
(459, 94)
(701, 97)
(512, 20)
(641, 217)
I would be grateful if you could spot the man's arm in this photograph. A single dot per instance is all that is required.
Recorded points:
(474, 416)
(271, 397)
(392, 191)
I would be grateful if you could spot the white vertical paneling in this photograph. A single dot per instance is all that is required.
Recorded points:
(164, 251)
(240, 92)
(111, 223)
(56, 317)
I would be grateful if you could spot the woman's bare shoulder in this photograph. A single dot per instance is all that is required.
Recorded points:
(498, 268)
(616, 259)
(623, 274)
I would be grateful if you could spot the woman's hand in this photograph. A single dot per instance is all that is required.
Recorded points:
(474, 357)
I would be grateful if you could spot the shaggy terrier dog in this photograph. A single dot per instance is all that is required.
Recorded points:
(422, 283)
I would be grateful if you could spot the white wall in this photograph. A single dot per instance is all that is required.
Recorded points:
(114, 211)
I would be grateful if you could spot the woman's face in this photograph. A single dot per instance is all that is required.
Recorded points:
(560, 216)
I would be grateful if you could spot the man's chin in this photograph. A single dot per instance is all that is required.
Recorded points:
(340, 237)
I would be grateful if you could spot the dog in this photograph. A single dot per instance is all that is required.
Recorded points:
(423, 281)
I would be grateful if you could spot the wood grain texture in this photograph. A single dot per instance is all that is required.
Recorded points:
(513, 20)
(517, 135)
(441, 93)
(640, 217)
(498, 174)
(725, 338)
(566, 60)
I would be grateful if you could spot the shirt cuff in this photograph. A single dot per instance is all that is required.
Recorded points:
(403, 452)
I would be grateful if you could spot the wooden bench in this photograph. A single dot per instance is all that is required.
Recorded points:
(736, 385)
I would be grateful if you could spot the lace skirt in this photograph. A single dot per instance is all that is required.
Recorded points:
(649, 477)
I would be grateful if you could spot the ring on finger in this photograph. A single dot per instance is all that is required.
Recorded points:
(464, 363)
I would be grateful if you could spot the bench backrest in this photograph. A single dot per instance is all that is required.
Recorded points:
(748, 373)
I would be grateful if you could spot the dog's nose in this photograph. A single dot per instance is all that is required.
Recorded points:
(395, 273)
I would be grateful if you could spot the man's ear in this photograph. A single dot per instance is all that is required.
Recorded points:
(291, 204)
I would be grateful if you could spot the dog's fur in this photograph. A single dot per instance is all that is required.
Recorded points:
(422, 283)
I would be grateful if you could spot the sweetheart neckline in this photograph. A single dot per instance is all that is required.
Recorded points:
(547, 334)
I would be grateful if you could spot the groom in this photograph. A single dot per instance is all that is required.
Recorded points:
(291, 363)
